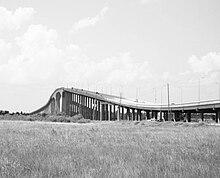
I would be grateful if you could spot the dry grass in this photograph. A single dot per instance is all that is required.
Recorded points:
(109, 149)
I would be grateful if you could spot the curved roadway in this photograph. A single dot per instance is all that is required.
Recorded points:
(209, 106)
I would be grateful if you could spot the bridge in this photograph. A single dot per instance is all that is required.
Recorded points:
(100, 106)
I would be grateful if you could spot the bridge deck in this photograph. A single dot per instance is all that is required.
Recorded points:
(205, 105)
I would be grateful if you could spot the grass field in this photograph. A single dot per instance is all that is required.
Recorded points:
(109, 149)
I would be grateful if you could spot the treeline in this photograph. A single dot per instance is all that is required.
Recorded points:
(2, 112)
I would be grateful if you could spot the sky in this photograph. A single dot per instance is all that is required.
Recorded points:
(132, 47)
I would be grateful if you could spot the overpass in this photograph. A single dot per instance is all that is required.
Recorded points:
(100, 106)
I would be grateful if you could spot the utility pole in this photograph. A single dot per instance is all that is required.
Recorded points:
(121, 89)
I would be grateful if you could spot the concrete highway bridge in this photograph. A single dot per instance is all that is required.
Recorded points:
(100, 106)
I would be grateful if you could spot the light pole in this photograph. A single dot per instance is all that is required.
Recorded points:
(121, 89)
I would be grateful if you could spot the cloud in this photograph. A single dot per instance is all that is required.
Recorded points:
(4, 50)
(13, 20)
(145, 1)
(207, 64)
(90, 21)
(36, 40)
(122, 69)
(37, 58)
(40, 61)
(206, 68)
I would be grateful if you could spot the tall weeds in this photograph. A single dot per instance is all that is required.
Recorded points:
(108, 149)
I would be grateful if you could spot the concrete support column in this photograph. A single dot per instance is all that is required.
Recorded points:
(217, 117)
(61, 102)
(128, 114)
(101, 111)
(106, 112)
(133, 114)
(161, 116)
(177, 116)
(165, 115)
(79, 104)
(202, 116)
(110, 116)
(188, 116)
(114, 113)
(55, 106)
(85, 106)
(85, 109)
(138, 115)
(118, 113)
(94, 107)
(123, 114)
(82, 105)
(76, 103)
(73, 103)
(155, 114)
(147, 114)
(170, 116)
(90, 108)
